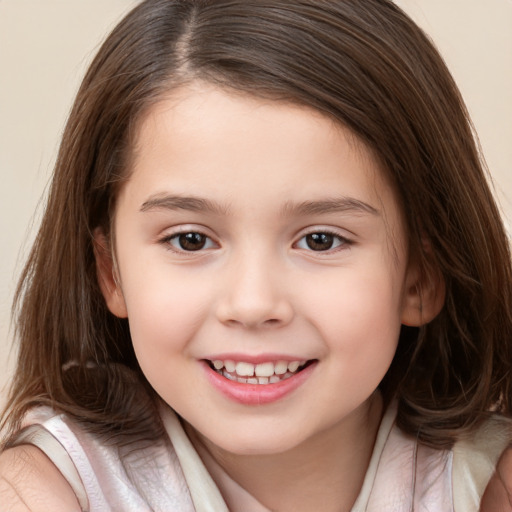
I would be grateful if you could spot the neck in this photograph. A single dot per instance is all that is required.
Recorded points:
(326, 472)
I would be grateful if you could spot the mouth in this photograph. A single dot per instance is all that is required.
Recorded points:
(258, 383)
(270, 372)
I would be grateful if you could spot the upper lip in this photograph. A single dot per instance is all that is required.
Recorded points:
(255, 359)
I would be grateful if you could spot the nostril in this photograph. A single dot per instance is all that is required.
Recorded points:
(254, 310)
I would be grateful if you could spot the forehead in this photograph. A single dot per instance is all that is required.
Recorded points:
(229, 146)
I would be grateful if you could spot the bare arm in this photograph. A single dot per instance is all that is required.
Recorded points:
(498, 495)
(29, 481)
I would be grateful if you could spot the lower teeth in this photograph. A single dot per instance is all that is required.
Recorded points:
(256, 380)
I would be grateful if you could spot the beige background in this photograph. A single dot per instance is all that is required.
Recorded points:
(45, 46)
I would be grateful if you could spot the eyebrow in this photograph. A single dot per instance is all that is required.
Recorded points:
(331, 205)
(189, 203)
(198, 204)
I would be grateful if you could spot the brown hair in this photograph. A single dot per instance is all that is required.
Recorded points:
(361, 62)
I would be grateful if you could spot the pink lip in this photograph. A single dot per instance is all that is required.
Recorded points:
(257, 394)
(257, 359)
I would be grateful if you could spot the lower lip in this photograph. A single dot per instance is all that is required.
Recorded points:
(257, 394)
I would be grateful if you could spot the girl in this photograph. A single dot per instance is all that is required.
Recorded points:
(270, 276)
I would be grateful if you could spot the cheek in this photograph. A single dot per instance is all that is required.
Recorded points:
(164, 312)
(163, 321)
(358, 316)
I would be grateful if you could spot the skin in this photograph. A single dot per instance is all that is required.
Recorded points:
(498, 495)
(263, 173)
(30, 482)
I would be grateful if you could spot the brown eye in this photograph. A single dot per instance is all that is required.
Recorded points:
(190, 241)
(322, 241)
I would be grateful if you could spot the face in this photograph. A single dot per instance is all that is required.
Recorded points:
(262, 267)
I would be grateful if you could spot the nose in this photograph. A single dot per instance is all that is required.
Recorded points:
(254, 295)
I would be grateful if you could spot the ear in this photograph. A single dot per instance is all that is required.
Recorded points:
(107, 275)
(424, 295)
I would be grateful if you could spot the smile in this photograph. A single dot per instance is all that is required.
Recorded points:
(263, 373)
(257, 384)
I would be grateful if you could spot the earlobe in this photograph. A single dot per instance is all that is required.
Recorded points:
(107, 275)
(424, 296)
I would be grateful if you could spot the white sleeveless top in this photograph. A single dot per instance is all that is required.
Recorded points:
(170, 476)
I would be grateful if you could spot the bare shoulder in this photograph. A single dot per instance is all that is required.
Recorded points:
(29, 481)
(498, 495)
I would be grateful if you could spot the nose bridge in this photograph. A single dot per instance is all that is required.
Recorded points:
(254, 293)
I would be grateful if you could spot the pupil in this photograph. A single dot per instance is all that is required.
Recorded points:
(319, 241)
(192, 241)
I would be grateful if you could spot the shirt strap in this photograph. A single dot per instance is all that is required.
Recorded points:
(205, 494)
(38, 436)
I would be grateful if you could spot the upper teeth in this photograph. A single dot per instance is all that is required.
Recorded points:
(267, 369)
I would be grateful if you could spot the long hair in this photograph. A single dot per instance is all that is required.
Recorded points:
(366, 65)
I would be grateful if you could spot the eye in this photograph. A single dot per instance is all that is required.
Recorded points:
(321, 241)
(189, 241)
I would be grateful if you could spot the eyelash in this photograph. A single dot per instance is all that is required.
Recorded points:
(167, 240)
(342, 242)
